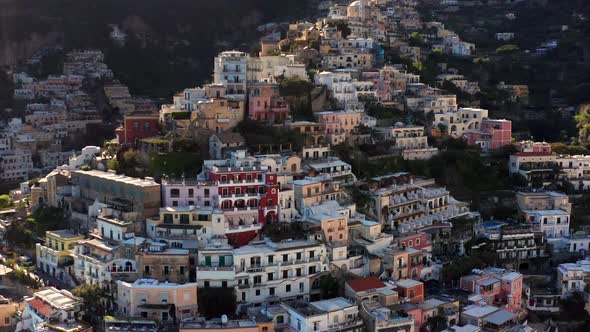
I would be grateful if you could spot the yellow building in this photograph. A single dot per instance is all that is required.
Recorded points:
(53, 257)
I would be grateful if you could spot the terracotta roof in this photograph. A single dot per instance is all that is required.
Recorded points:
(532, 154)
(42, 307)
(364, 284)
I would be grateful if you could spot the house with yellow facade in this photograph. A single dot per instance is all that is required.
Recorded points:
(53, 256)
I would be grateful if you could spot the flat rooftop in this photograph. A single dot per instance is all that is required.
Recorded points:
(334, 304)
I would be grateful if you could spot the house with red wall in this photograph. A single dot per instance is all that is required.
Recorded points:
(412, 290)
(136, 126)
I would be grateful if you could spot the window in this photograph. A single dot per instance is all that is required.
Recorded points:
(311, 269)
(243, 296)
(184, 219)
(311, 254)
(271, 259)
(146, 269)
(288, 288)
(257, 279)
(286, 274)
(271, 291)
(191, 192)
(166, 270)
(270, 276)
(206, 284)
(181, 270)
(285, 257)
(298, 272)
(206, 192)
(174, 193)
(316, 326)
(280, 318)
(301, 287)
(298, 256)
(412, 293)
(258, 292)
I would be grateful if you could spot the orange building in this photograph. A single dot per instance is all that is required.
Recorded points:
(412, 290)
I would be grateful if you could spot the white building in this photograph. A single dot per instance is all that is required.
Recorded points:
(573, 277)
(263, 271)
(230, 69)
(337, 314)
(59, 308)
(340, 85)
(462, 48)
(456, 124)
(15, 165)
(553, 223)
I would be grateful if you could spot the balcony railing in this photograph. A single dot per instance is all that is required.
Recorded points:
(214, 268)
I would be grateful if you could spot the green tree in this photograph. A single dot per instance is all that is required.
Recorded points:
(583, 124)
(113, 164)
(5, 201)
(342, 27)
(436, 323)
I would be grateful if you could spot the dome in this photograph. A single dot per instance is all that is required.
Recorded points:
(356, 3)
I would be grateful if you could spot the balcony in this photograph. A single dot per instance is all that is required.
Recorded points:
(245, 196)
(242, 228)
(214, 268)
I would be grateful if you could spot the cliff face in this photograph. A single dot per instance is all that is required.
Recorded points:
(14, 52)
(171, 44)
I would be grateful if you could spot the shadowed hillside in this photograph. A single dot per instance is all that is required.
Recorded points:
(171, 43)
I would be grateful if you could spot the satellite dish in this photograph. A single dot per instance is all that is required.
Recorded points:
(224, 319)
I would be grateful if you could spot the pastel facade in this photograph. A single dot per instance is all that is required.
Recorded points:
(148, 298)
(553, 223)
(313, 191)
(265, 103)
(137, 126)
(230, 69)
(496, 286)
(47, 305)
(53, 257)
(263, 271)
(457, 124)
(573, 277)
(492, 135)
(219, 114)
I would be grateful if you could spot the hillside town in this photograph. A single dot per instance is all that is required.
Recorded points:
(342, 176)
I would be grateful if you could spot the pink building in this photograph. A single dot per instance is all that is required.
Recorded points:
(496, 285)
(414, 240)
(266, 104)
(382, 84)
(339, 122)
(165, 301)
(492, 134)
